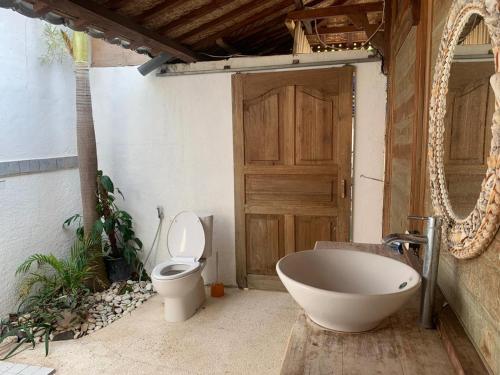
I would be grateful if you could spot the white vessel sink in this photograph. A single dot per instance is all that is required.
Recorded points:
(346, 290)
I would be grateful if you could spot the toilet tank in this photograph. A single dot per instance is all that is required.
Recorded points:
(207, 220)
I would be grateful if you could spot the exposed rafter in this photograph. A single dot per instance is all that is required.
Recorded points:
(227, 17)
(339, 10)
(377, 39)
(104, 19)
(114, 4)
(271, 25)
(238, 25)
(264, 25)
(299, 4)
(195, 14)
(337, 29)
(159, 8)
(235, 27)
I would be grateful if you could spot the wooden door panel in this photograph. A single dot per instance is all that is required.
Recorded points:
(263, 129)
(309, 229)
(467, 139)
(318, 190)
(265, 243)
(292, 150)
(316, 133)
(469, 108)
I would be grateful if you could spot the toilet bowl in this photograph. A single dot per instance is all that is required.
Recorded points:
(178, 280)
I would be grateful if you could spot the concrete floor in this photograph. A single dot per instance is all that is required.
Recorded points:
(245, 332)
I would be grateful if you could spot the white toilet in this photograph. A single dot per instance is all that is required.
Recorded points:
(179, 280)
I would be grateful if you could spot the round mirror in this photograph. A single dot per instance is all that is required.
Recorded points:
(470, 104)
(464, 128)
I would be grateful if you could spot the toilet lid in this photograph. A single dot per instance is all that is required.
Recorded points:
(186, 237)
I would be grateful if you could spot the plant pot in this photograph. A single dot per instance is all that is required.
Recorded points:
(118, 269)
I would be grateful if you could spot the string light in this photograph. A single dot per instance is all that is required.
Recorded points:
(363, 45)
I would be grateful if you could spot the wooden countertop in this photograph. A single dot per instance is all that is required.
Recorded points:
(398, 346)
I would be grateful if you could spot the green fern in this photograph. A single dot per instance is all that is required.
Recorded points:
(57, 283)
(55, 286)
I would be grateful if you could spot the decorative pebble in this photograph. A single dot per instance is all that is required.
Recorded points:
(103, 308)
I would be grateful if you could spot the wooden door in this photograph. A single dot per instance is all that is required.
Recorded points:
(471, 103)
(292, 151)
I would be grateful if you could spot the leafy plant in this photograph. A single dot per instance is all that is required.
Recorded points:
(25, 333)
(54, 292)
(63, 285)
(56, 41)
(115, 225)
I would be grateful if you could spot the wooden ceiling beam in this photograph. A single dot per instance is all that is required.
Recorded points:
(115, 4)
(235, 13)
(265, 37)
(249, 39)
(299, 4)
(235, 27)
(41, 9)
(274, 44)
(195, 14)
(337, 29)
(157, 9)
(338, 10)
(111, 22)
(377, 39)
(277, 20)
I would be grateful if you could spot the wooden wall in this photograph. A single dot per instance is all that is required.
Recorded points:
(470, 286)
(405, 168)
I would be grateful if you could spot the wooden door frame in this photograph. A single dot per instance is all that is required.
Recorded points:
(238, 155)
(345, 94)
(396, 33)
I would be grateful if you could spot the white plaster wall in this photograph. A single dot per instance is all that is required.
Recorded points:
(37, 120)
(369, 145)
(168, 141)
(37, 104)
(32, 211)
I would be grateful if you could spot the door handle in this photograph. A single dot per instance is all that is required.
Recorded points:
(343, 189)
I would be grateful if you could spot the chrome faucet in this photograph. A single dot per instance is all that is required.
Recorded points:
(432, 242)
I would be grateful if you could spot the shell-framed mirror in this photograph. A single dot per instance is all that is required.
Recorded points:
(464, 127)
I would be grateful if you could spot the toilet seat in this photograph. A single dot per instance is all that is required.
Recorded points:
(186, 237)
(175, 268)
(185, 243)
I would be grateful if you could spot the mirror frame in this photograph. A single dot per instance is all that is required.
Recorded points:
(466, 237)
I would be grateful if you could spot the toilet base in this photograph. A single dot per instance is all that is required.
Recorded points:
(183, 308)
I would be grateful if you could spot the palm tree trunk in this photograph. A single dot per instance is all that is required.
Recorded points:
(87, 151)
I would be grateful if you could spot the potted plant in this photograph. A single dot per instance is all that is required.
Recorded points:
(120, 245)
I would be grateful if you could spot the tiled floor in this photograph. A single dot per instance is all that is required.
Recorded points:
(9, 368)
